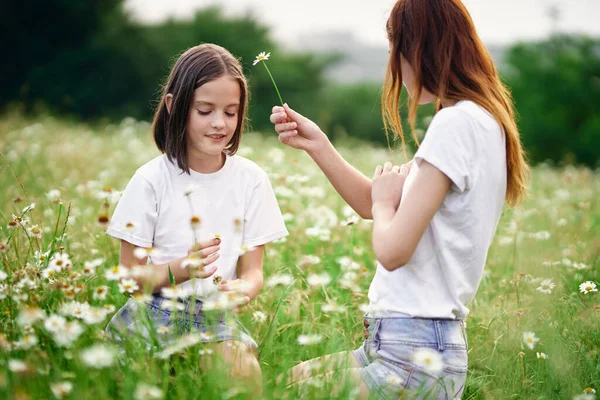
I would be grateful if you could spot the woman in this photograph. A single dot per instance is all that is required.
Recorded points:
(434, 219)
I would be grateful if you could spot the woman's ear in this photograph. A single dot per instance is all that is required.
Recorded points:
(169, 102)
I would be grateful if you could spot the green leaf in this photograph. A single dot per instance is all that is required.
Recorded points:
(171, 277)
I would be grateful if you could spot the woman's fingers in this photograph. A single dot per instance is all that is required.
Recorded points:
(289, 126)
(396, 169)
(278, 118)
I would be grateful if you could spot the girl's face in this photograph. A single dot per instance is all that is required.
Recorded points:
(213, 117)
(408, 78)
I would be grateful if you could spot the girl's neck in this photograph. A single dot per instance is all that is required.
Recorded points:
(206, 164)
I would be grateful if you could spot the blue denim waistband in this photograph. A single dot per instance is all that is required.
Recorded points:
(444, 333)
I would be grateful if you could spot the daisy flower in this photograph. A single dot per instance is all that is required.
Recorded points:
(60, 390)
(128, 285)
(587, 287)
(530, 339)
(428, 359)
(546, 286)
(317, 280)
(98, 356)
(307, 340)
(261, 57)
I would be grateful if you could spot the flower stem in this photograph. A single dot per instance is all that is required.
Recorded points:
(273, 80)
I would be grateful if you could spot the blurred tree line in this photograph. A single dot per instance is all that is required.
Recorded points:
(90, 60)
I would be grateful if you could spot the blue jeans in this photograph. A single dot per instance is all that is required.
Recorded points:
(390, 353)
(159, 327)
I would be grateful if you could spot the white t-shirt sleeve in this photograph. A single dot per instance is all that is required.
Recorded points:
(137, 208)
(450, 146)
(263, 221)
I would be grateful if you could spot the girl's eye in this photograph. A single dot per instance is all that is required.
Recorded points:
(203, 112)
(230, 114)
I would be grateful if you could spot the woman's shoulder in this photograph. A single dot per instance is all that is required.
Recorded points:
(466, 117)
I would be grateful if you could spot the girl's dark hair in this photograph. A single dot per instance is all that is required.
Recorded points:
(197, 66)
(439, 41)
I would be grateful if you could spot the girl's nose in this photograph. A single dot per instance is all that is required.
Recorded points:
(217, 122)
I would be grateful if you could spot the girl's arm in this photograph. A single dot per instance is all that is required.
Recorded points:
(156, 277)
(299, 132)
(249, 277)
(397, 229)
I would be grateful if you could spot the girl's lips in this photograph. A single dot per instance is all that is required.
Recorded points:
(216, 138)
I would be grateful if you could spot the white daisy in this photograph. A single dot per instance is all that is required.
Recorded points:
(587, 287)
(128, 285)
(546, 286)
(30, 315)
(318, 280)
(530, 339)
(116, 273)
(17, 366)
(429, 359)
(60, 390)
(259, 316)
(262, 56)
(144, 391)
(98, 356)
(307, 340)
(100, 292)
(280, 279)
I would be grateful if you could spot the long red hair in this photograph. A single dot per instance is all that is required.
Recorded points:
(439, 41)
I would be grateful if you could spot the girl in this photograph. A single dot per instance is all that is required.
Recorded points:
(205, 212)
(434, 219)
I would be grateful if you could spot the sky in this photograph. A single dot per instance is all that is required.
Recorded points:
(497, 21)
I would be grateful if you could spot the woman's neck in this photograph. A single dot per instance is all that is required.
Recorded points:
(448, 103)
(206, 164)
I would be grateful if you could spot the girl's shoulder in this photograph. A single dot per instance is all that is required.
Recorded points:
(155, 170)
(242, 165)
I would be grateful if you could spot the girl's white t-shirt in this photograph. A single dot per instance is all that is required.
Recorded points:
(468, 145)
(237, 202)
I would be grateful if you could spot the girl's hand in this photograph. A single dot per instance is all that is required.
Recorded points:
(388, 183)
(296, 130)
(202, 254)
(239, 289)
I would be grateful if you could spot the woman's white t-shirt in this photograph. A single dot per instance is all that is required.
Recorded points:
(468, 145)
(237, 202)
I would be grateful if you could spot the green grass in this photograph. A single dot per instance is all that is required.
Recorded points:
(547, 237)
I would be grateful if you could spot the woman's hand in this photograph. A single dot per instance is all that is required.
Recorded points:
(296, 130)
(202, 254)
(388, 183)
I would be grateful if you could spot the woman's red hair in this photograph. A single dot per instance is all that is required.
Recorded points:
(439, 41)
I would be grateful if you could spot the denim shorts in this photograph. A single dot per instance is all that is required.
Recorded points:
(391, 358)
(159, 327)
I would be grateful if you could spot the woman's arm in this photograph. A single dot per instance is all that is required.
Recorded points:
(156, 277)
(299, 132)
(396, 233)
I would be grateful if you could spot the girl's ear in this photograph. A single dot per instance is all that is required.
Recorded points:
(169, 102)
